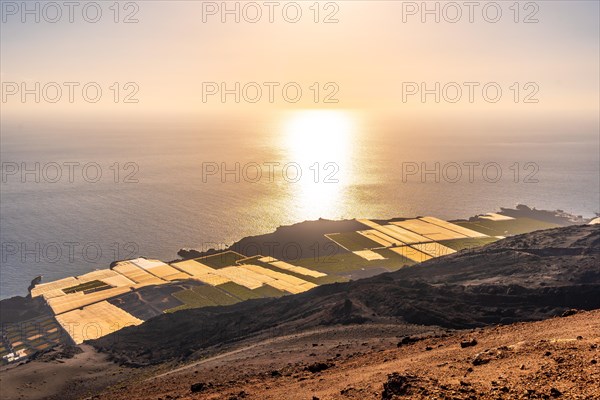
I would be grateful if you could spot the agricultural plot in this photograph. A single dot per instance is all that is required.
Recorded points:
(160, 269)
(469, 243)
(342, 264)
(42, 288)
(118, 281)
(150, 301)
(516, 226)
(381, 238)
(75, 300)
(244, 277)
(298, 270)
(496, 217)
(98, 275)
(29, 336)
(394, 261)
(411, 253)
(201, 272)
(369, 255)
(321, 280)
(136, 274)
(203, 296)
(239, 291)
(95, 321)
(52, 293)
(267, 291)
(88, 283)
(405, 236)
(436, 233)
(191, 299)
(366, 273)
(282, 281)
(221, 260)
(88, 287)
(428, 230)
(434, 249)
(393, 236)
(260, 258)
(354, 241)
(453, 227)
(212, 279)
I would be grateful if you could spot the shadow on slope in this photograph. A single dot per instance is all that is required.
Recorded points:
(523, 278)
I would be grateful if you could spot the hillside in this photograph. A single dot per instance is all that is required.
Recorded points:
(554, 358)
(523, 278)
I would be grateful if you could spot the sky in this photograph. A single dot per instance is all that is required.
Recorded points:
(170, 54)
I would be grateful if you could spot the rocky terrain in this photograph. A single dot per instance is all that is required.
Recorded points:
(504, 321)
(555, 358)
(524, 278)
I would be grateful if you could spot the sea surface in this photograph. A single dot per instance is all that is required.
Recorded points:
(161, 201)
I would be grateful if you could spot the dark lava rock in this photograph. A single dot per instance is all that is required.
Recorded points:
(468, 343)
(569, 312)
(397, 385)
(199, 387)
(318, 367)
(555, 392)
(406, 340)
(481, 359)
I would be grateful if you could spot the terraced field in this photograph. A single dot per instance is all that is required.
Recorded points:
(30, 336)
(134, 291)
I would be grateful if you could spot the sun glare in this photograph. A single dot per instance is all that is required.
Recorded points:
(319, 135)
(321, 142)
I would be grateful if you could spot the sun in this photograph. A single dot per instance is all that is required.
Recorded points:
(321, 142)
(319, 135)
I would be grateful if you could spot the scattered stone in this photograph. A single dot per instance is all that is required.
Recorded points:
(397, 385)
(579, 337)
(198, 387)
(275, 374)
(406, 340)
(570, 312)
(480, 359)
(428, 348)
(468, 343)
(555, 392)
(318, 367)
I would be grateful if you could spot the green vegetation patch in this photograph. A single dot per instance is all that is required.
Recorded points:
(318, 281)
(511, 227)
(221, 260)
(239, 291)
(396, 261)
(192, 299)
(268, 291)
(468, 243)
(249, 260)
(87, 287)
(216, 295)
(344, 263)
(353, 241)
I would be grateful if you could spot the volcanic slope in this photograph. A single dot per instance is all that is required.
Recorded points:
(523, 278)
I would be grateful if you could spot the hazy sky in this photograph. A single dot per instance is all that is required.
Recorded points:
(368, 55)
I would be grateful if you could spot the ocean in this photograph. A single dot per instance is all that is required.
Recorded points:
(76, 201)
